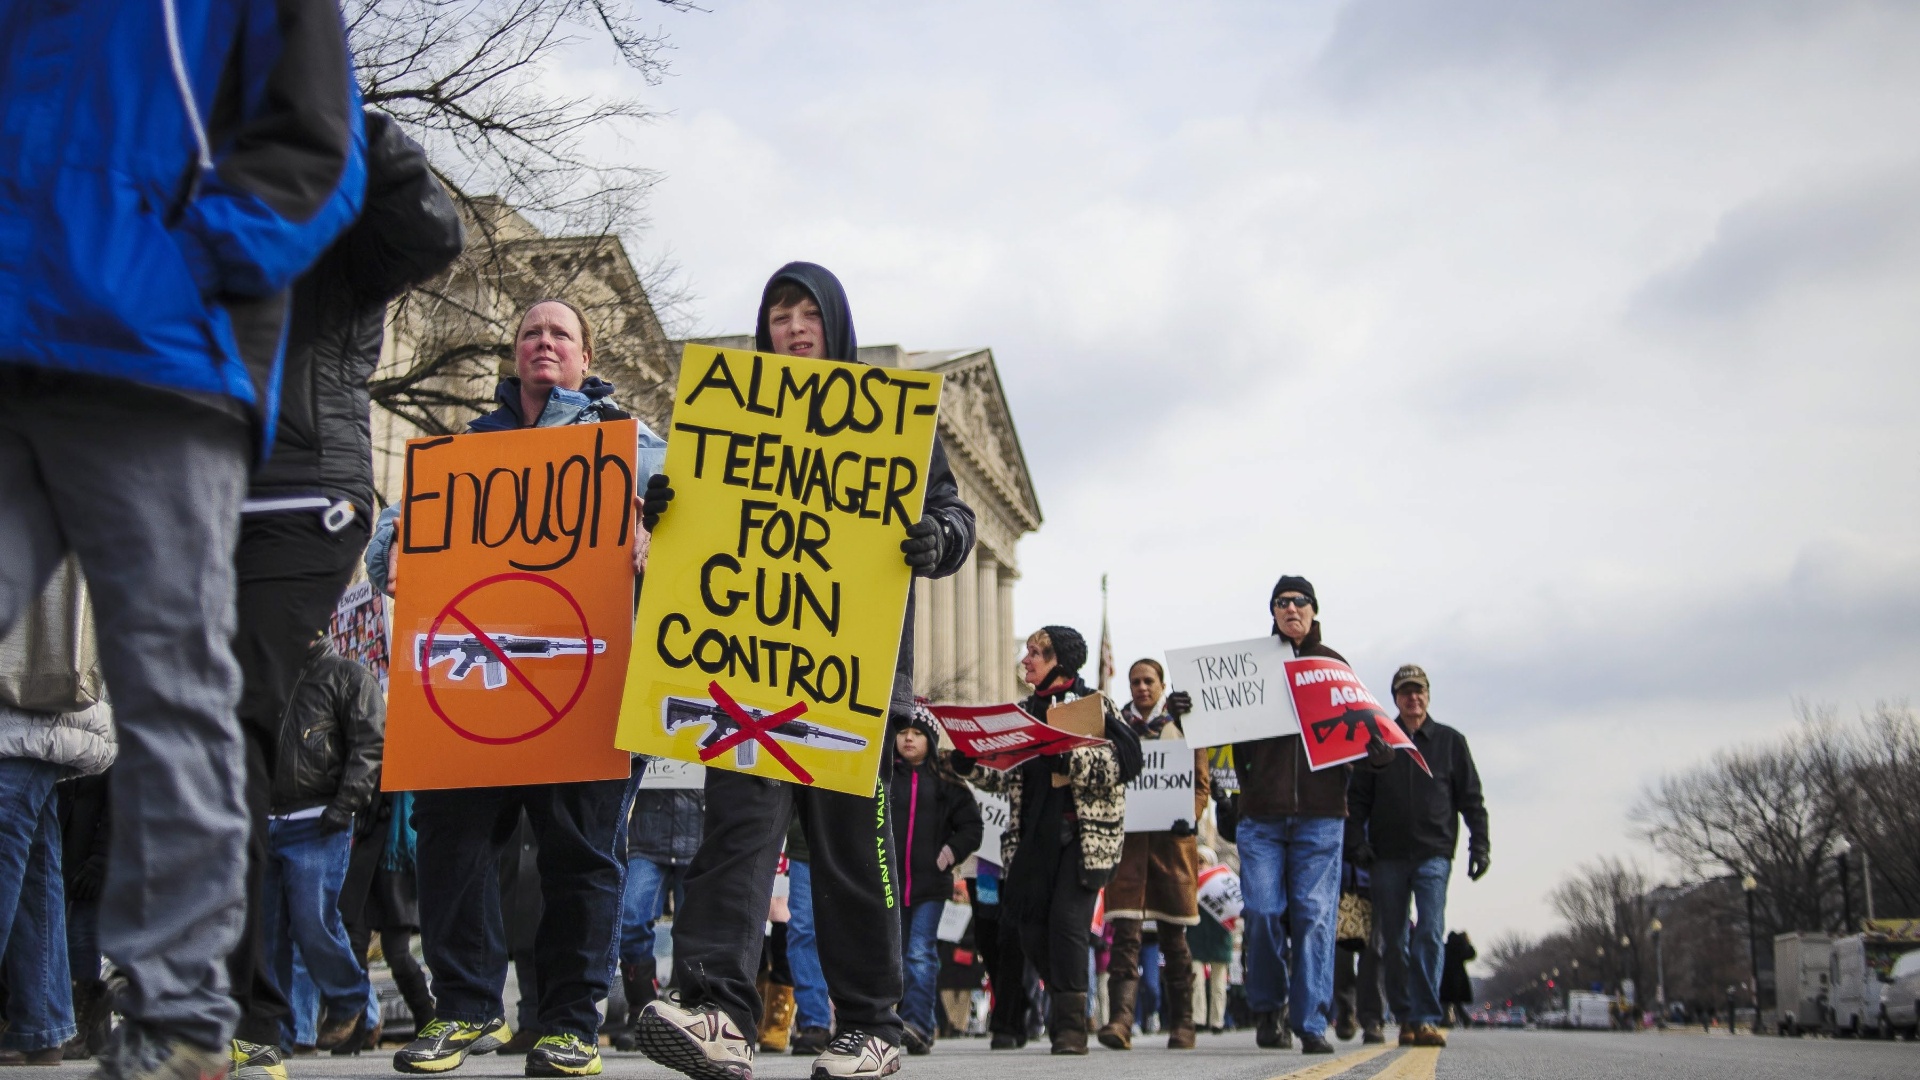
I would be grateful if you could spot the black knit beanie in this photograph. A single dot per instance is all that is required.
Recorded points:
(1069, 649)
(922, 721)
(1294, 583)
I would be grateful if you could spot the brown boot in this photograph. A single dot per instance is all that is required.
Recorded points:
(776, 1018)
(1177, 987)
(1068, 1024)
(1118, 1033)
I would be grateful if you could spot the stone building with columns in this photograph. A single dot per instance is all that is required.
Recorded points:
(966, 643)
(449, 341)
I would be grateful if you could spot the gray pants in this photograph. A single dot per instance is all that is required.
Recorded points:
(146, 488)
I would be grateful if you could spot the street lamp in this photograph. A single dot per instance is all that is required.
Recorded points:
(1748, 885)
(1659, 973)
(1840, 851)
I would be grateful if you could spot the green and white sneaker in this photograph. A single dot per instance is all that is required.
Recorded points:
(252, 1061)
(444, 1044)
(563, 1055)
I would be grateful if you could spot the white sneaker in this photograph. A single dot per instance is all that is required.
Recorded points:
(703, 1043)
(856, 1055)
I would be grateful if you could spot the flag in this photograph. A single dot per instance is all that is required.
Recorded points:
(1106, 640)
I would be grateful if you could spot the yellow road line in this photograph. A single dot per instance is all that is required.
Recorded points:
(1416, 1064)
(1336, 1066)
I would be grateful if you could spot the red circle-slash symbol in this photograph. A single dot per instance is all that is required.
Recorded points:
(553, 715)
(759, 731)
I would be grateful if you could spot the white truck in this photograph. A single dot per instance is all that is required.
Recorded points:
(1861, 972)
(1802, 977)
(1589, 1010)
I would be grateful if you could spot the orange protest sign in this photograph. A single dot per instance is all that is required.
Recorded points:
(513, 610)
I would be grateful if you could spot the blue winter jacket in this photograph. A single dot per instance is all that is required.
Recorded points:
(167, 168)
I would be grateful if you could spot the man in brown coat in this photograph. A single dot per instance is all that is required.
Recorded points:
(1158, 878)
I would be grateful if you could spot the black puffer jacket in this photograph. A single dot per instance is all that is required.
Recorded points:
(407, 233)
(664, 827)
(943, 503)
(930, 809)
(331, 738)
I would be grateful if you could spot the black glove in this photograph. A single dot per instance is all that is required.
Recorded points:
(1182, 827)
(959, 762)
(1179, 704)
(1362, 855)
(1379, 754)
(1217, 789)
(87, 881)
(922, 546)
(1477, 863)
(333, 819)
(659, 494)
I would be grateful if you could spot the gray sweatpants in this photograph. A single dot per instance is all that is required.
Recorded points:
(146, 487)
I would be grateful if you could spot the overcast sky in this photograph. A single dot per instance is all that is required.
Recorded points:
(1568, 348)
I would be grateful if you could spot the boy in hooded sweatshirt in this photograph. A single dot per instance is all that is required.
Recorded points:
(936, 825)
(705, 1029)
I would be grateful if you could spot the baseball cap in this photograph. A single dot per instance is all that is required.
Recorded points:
(1411, 673)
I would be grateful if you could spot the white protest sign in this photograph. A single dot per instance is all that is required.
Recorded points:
(953, 922)
(1239, 691)
(993, 820)
(1163, 792)
(664, 775)
(1220, 894)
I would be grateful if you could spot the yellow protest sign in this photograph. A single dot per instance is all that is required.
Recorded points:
(775, 588)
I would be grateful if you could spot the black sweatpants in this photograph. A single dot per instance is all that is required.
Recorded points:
(291, 574)
(1060, 947)
(856, 901)
(582, 830)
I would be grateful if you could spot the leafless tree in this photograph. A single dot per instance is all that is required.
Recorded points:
(1870, 774)
(1607, 912)
(476, 82)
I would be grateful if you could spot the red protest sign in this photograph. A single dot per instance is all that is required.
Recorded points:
(1338, 714)
(1002, 736)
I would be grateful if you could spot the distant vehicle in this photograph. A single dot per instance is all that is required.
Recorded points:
(1515, 1017)
(1900, 998)
(1552, 1018)
(1589, 1010)
(1802, 980)
(1862, 968)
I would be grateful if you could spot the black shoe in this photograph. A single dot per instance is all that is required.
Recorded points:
(809, 1042)
(444, 1045)
(563, 1055)
(338, 1031)
(915, 1040)
(1270, 1031)
(1315, 1044)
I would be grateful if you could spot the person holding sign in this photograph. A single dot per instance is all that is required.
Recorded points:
(1157, 877)
(705, 1029)
(1068, 814)
(1404, 823)
(581, 827)
(1291, 829)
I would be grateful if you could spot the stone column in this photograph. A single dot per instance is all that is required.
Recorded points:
(922, 634)
(1009, 635)
(966, 631)
(940, 617)
(987, 582)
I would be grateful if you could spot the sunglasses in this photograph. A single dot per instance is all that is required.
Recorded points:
(1292, 601)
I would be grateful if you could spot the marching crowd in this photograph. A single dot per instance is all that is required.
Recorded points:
(189, 773)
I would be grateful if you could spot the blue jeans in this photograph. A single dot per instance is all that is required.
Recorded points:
(1290, 881)
(306, 866)
(33, 918)
(803, 952)
(1149, 1000)
(648, 884)
(1415, 994)
(920, 962)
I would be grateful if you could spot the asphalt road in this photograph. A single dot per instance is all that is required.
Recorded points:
(1473, 1055)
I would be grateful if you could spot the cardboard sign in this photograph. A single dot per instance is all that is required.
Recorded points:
(1085, 716)
(664, 775)
(1163, 792)
(771, 615)
(1337, 714)
(1237, 689)
(995, 819)
(358, 629)
(514, 568)
(1221, 770)
(954, 919)
(1220, 895)
(1003, 736)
